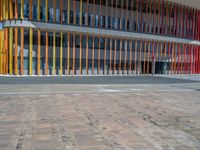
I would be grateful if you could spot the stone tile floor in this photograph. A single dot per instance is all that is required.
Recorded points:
(155, 120)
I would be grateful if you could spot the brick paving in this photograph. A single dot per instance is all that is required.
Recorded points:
(101, 121)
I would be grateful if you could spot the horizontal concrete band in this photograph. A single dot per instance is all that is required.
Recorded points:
(95, 31)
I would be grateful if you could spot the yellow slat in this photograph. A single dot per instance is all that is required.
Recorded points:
(11, 51)
(61, 53)
(22, 9)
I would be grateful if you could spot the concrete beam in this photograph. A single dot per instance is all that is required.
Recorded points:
(95, 31)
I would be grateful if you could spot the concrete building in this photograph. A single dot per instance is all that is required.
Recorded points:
(99, 37)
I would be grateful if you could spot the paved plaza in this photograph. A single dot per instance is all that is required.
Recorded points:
(142, 116)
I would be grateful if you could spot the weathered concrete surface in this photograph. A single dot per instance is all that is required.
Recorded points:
(139, 117)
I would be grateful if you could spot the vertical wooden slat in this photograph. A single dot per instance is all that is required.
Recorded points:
(137, 9)
(6, 49)
(132, 15)
(127, 14)
(174, 59)
(193, 59)
(7, 10)
(38, 10)
(182, 61)
(159, 18)
(46, 54)
(86, 54)
(147, 17)
(135, 66)
(157, 50)
(144, 68)
(190, 58)
(179, 52)
(16, 9)
(185, 60)
(80, 57)
(110, 68)
(100, 13)
(4, 10)
(177, 20)
(120, 56)
(39, 52)
(161, 50)
(148, 61)
(186, 17)
(125, 56)
(93, 10)
(61, 53)
(140, 60)
(11, 51)
(131, 56)
(47, 3)
(198, 60)
(31, 9)
(61, 11)
(74, 53)
(183, 22)
(105, 46)
(154, 23)
(68, 11)
(150, 16)
(165, 50)
(121, 15)
(54, 11)
(111, 13)
(81, 11)
(115, 54)
(16, 52)
(68, 53)
(99, 58)
(193, 23)
(187, 54)
(141, 15)
(1, 53)
(167, 19)
(54, 53)
(152, 56)
(162, 32)
(10, 9)
(22, 9)
(31, 51)
(1, 8)
(93, 55)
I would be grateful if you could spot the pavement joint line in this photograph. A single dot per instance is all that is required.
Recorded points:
(95, 92)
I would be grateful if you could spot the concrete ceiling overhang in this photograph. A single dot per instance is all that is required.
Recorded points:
(189, 3)
(95, 31)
